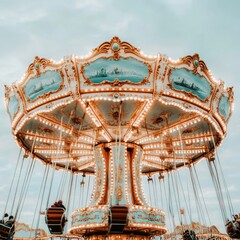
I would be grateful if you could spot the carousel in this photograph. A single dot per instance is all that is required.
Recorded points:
(130, 123)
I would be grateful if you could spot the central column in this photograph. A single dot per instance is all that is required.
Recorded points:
(118, 185)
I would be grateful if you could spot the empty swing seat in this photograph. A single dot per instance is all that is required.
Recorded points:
(6, 232)
(55, 219)
(118, 218)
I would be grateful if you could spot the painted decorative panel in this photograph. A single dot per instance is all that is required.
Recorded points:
(99, 178)
(124, 69)
(13, 106)
(184, 80)
(119, 196)
(138, 178)
(45, 83)
(90, 216)
(224, 107)
(145, 216)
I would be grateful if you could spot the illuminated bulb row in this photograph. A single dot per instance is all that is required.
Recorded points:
(85, 165)
(61, 160)
(80, 145)
(150, 146)
(199, 139)
(83, 57)
(88, 225)
(86, 139)
(116, 89)
(173, 61)
(111, 173)
(143, 113)
(147, 56)
(177, 128)
(56, 126)
(146, 139)
(141, 99)
(58, 152)
(92, 116)
(103, 173)
(27, 117)
(152, 158)
(189, 151)
(204, 115)
(16, 119)
(152, 164)
(162, 152)
(219, 118)
(84, 159)
(126, 170)
(44, 140)
(128, 135)
(47, 100)
(136, 178)
(105, 135)
(149, 225)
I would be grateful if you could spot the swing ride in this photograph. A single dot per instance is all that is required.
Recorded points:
(119, 117)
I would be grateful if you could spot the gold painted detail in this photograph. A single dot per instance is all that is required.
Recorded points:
(119, 193)
(120, 173)
(195, 62)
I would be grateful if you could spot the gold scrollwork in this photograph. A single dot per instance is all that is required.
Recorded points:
(195, 62)
(119, 193)
(120, 173)
(105, 47)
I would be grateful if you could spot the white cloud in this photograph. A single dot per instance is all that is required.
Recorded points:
(178, 7)
(15, 17)
(89, 5)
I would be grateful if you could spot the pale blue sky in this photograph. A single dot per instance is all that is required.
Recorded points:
(54, 29)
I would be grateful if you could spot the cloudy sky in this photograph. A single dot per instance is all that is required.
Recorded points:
(54, 29)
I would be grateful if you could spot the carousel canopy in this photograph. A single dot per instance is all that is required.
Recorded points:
(174, 110)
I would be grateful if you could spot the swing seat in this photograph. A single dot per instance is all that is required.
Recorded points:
(6, 232)
(55, 220)
(232, 231)
(118, 218)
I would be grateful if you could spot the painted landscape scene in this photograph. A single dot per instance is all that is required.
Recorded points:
(45, 83)
(182, 79)
(122, 69)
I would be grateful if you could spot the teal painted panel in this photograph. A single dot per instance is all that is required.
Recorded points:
(187, 81)
(90, 217)
(147, 217)
(13, 106)
(224, 107)
(99, 179)
(122, 69)
(119, 172)
(45, 83)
